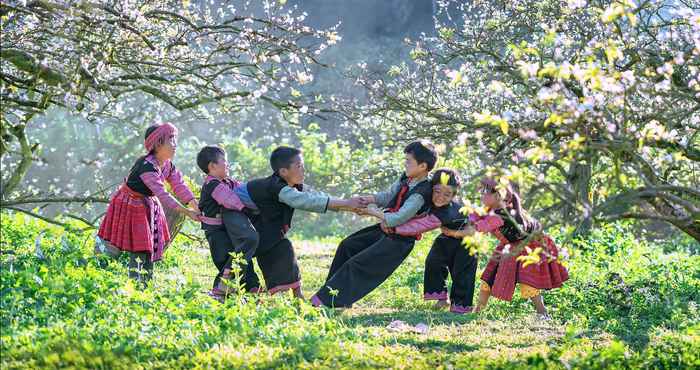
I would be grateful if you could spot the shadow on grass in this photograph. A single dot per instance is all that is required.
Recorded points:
(449, 344)
(436, 345)
(411, 317)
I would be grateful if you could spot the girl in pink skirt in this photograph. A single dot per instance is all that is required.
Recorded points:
(135, 221)
(511, 225)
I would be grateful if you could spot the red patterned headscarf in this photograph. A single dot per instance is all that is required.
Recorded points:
(159, 135)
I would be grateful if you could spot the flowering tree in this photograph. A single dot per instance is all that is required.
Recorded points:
(592, 106)
(112, 58)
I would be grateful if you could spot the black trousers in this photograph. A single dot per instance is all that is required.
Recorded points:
(448, 255)
(278, 264)
(236, 237)
(362, 262)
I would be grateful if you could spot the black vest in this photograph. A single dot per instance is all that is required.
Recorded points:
(425, 189)
(513, 227)
(275, 217)
(207, 204)
(450, 216)
(134, 181)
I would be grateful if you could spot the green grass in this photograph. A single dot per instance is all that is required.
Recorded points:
(629, 304)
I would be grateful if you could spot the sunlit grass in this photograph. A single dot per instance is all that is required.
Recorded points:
(64, 310)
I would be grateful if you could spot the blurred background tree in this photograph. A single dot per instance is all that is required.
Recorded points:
(592, 107)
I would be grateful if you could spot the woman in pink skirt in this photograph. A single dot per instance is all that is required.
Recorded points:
(135, 221)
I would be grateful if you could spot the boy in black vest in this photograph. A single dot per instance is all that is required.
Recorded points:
(368, 257)
(276, 197)
(227, 228)
(447, 255)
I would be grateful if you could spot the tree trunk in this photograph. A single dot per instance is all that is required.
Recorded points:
(579, 179)
(691, 228)
(26, 152)
(665, 209)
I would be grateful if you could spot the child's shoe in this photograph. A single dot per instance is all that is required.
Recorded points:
(223, 288)
(455, 308)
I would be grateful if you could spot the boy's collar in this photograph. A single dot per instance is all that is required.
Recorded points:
(211, 178)
(417, 179)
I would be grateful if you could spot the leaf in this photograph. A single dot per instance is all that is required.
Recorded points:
(554, 119)
(456, 79)
(532, 257)
(612, 53)
(444, 178)
(503, 124)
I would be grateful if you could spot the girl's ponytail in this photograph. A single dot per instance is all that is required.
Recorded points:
(529, 224)
(513, 204)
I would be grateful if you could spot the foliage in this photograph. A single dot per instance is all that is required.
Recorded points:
(590, 105)
(63, 308)
(120, 59)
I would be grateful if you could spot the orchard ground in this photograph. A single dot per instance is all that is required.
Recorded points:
(628, 304)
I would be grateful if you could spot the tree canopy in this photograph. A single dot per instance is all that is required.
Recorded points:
(592, 106)
(107, 58)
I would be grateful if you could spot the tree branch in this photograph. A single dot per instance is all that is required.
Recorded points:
(14, 202)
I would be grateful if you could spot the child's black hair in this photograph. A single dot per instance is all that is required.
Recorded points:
(207, 155)
(423, 152)
(512, 201)
(283, 157)
(149, 131)
(453, 176)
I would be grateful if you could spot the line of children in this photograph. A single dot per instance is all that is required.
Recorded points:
(251, 220)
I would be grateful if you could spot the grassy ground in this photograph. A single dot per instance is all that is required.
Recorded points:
(628, 305)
